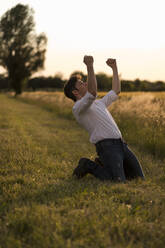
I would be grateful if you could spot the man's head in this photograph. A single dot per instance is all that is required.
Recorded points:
(75, 88)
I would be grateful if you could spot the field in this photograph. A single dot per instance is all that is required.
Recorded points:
(42, 205)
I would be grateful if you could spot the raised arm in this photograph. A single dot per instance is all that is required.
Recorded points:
(91, 81)
(116, 85)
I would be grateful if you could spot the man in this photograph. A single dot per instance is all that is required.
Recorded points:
(116, 161)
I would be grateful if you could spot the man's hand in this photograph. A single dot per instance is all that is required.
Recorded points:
(111, 63)
(116, 85)
(91, 81)
(88, 60)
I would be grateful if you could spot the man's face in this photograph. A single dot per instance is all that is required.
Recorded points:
(81, 87)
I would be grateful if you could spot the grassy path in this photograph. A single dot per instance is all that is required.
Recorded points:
(41, 205)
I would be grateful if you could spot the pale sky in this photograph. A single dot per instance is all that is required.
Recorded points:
(132, 31)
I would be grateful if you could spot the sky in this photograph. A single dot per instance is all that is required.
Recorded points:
(132, 31)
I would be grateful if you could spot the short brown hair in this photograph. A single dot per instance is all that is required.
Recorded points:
(70, 86)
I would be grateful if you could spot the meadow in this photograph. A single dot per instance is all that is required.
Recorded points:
(42, 205)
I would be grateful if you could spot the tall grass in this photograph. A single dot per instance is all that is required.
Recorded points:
(142, 119)
(140, 116)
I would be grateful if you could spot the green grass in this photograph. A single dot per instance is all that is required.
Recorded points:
(41, 205)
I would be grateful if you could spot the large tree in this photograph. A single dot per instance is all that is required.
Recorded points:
(22, 52)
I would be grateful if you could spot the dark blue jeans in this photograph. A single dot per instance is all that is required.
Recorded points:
(119, 162)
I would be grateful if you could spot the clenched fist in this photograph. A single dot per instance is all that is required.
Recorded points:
(88, 60)
(111, 63)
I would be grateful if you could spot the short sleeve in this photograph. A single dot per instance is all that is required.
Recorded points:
(110, 97)
(84, 103)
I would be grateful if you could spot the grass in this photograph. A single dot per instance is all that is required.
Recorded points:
(138, 114)
(41, 205)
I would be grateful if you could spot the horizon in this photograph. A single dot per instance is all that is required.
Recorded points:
(123, 30)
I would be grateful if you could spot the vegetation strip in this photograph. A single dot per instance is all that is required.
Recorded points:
(41, 205)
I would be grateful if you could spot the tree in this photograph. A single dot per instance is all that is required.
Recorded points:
(104, 81)
(22, 52)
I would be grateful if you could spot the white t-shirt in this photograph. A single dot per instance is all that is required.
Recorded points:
(94, 116)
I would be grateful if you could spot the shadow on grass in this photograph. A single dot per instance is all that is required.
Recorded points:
(78, 191)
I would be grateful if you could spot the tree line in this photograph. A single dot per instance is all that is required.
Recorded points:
(104, 82)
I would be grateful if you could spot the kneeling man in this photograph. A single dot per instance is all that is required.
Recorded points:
(115, 160)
